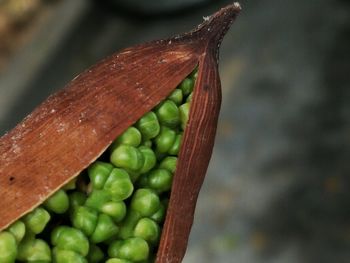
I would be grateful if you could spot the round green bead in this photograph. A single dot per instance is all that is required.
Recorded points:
(85, 219)
(98, 173)
(160, 180)
(187, 86)
(8, 247)
(116, 210)
(95, 254)
(128, 157)
(71, 185)
(160, 214)
(184, 113)
(134, 249)
(165, 140)
(145, 201)
(18, 230)
(150, 159)
(168, 113)
(148, 125)
(174, 150)
(148, 230)
(131, 136)
(118, 260)
(176, 96)
(68, 238)
(169, 163)
(37, 250)
(189, 98)
(36, 220)
(105, 229)
(58, 202)
(119, 185)
(67, 256)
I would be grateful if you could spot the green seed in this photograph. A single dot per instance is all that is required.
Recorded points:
(147, 143)
(176, 96)
(58, 202)
(95, 254)
(119, 185)
(160, 180)
(8, 247)
(36, 220)
(174, 150)
(131, 136)
(134, 249)
(98, 173)
(160, 214)
(128, 157)
(37, 250)
(116, 210)
(71, 185)
(97, 198)
(148, 125)
(105, 229)
(187, 86)
(189, 98)
(145, 201)
(169, 163)
(68, 238)
(18, 230)
(184, 113)
(148, 230)
(85, 219)
(165, 140)
(67, 256)
(118, 260)
(128, 224)
(149, 157)
(168, 113)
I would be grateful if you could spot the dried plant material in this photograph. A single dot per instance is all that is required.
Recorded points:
(71, 129)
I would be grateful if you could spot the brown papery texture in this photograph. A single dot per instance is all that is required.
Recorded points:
(72, 128)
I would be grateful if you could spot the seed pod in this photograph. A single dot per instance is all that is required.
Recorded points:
(73, 127)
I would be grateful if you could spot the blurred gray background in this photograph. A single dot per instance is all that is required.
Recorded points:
(277, 189)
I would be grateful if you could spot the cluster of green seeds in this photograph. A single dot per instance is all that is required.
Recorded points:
(114, 211)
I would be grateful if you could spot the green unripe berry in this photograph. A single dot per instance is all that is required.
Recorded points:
(168, 113)
(34, 250)
(105, 229)
(98, 173)
(184, 113)
(189, 98)
(85, 219)
(18, 230)
(119, 185)
(160, 180)
(165, 140)
(131, 136)
(148, 125)
(169, 163)
(36, 220)
(128, 157)
(187, 86)
(58, 202)
(194, 74)
(145, 201)
(8, 247)
(148, 230)
(134, 249)
(67, 256)
(68, 238)
(176, 96)
(71, 185)
(149, 157)
(174, 150)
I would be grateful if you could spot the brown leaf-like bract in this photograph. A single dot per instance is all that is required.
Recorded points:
(73, 127)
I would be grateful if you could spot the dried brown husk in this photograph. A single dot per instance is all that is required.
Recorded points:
(73, 127)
